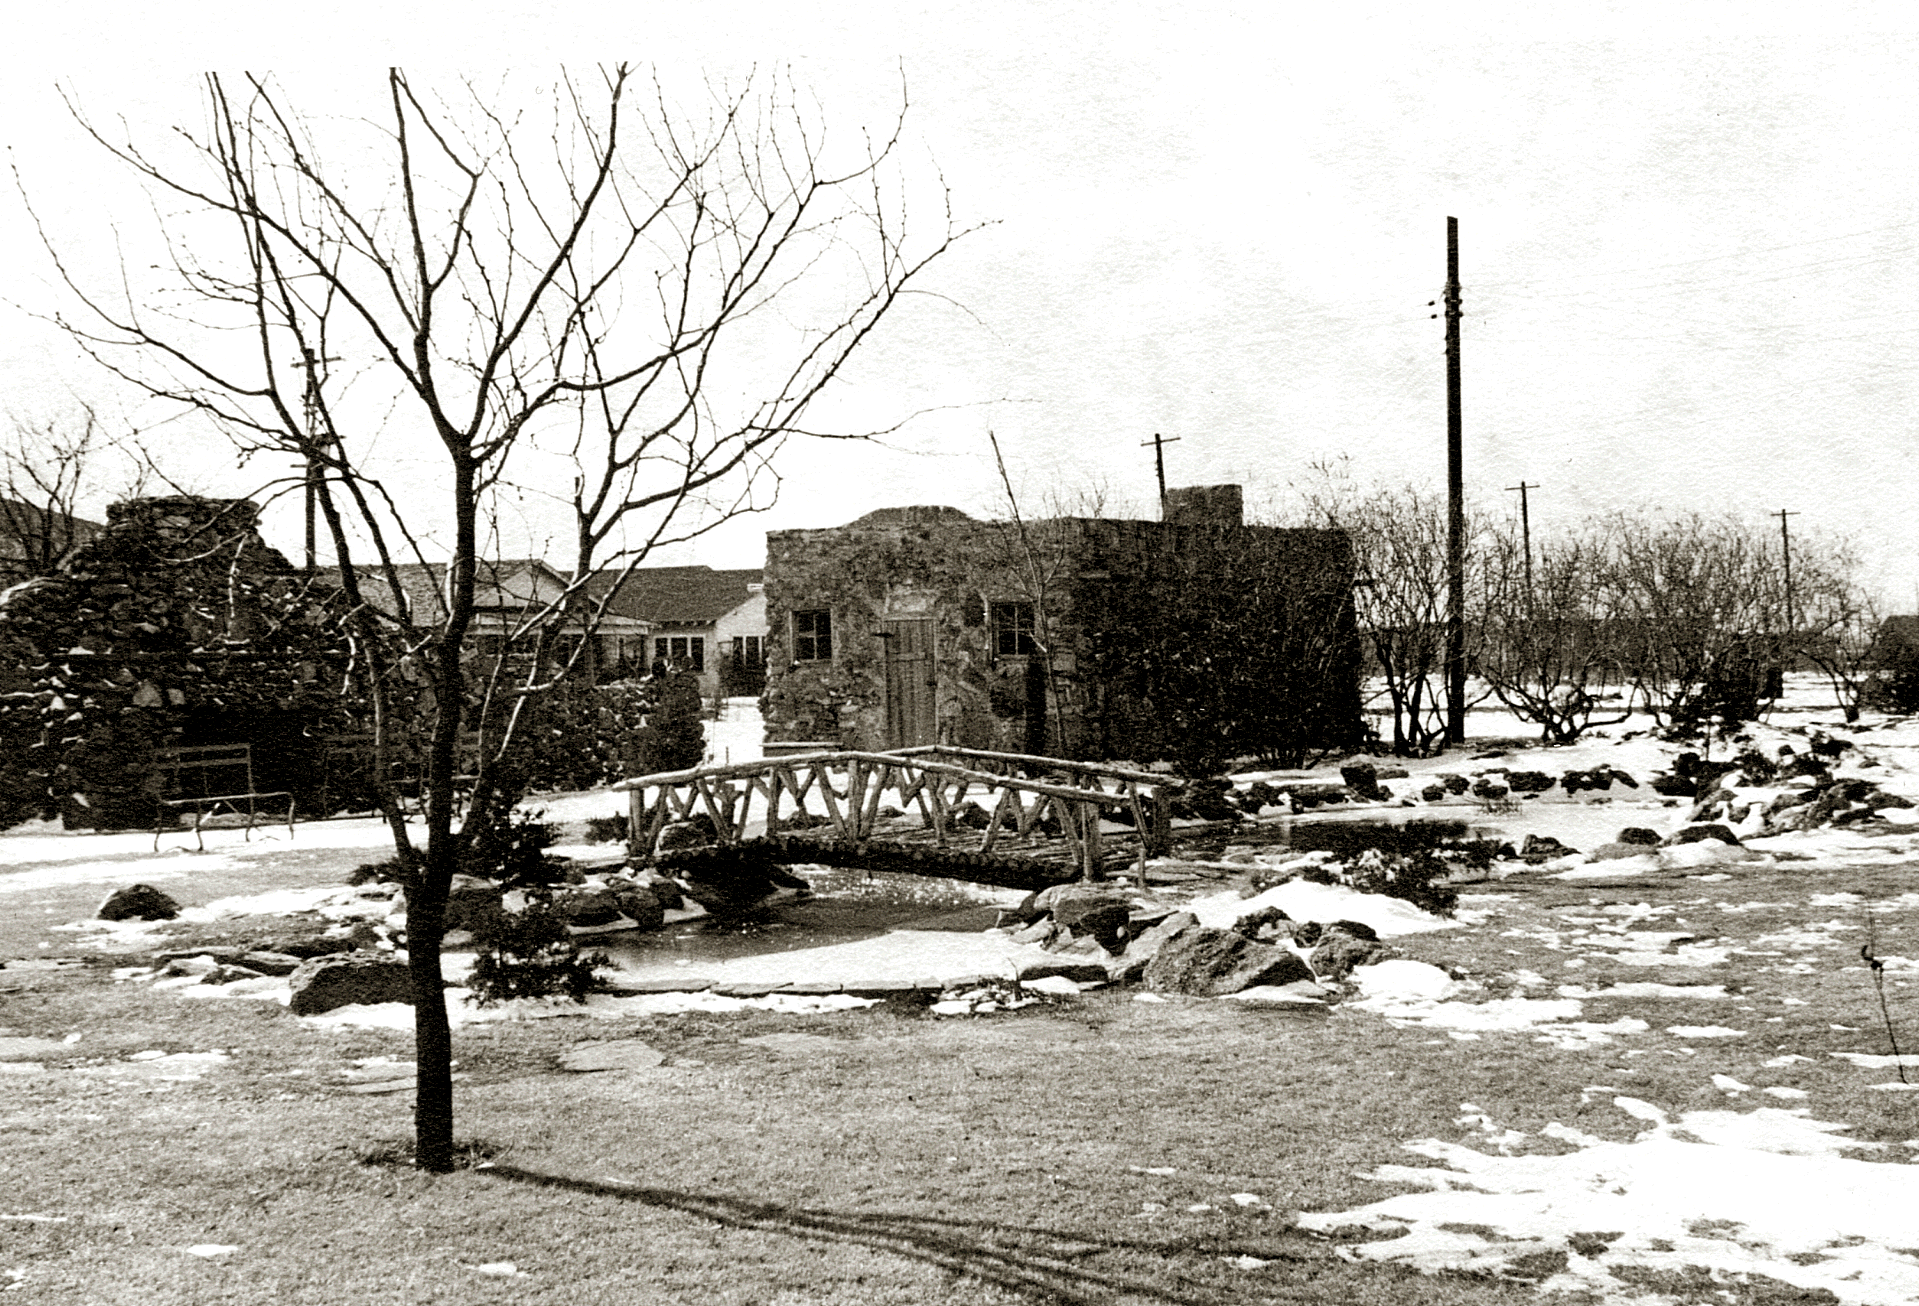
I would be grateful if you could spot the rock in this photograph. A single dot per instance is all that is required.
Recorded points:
(1264, 925)
(324, 983)
(1622, 778)
(1694, 833)
(1529, 782)
(1674, 786)
(1317, 795)
(1106, 923)
(670, 892)
(137, 902)
(642, 906)
(1543, 847)
(301, 949)
(1040, 932)
(1489, 789)
(1612, 852)
(470, 902)
(1338, 952)
(230, 975)
(588, 907)
(1392, 773)
(697, 832)
(270, 963)
(620, 1054)
(1211, 962)
(1361, 775)
(1804, 765)
(1306, 933)
(1881, 801)
(1433, 793)
(1639, 835)
(1356, 929)
(1025, 914)
(1455, 784)
(1066, 902)
(200, 964)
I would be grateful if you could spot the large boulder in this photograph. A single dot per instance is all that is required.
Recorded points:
(1695, 833)
(1640, 835)
(1145, 945)
(137, 902)
(642, 906)
(588, 908)
(1211, 963)
(1361, 775)
(1338, 952)
(349, 979)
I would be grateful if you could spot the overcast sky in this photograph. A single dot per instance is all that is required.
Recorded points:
(1689, 239)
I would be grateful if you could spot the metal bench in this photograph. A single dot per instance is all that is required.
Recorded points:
(222, 775)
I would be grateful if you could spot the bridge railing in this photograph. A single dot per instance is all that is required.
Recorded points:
(937, 780)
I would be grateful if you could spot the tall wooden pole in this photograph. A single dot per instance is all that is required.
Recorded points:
(1159, 443)
(1455, 507)
(1526, 536)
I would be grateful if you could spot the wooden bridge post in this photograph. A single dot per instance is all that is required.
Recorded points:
(1159, 843)
(1089, 844)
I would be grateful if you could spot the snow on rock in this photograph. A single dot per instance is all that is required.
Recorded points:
(1735, 1193)
(1303, 900)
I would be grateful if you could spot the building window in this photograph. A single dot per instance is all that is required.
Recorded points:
(812, 636)
(751, 652)
(1013, 630)
(681, 652)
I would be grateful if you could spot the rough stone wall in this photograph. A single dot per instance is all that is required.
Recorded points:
(901, 563)
(177, 625)
(1127, 609)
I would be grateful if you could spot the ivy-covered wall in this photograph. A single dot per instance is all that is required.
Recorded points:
(1195, 639)
(177, 625)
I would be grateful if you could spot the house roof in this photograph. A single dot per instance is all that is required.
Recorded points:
(666, 596)
(676, 596)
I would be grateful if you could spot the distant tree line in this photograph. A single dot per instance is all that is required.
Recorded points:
(1692, 618)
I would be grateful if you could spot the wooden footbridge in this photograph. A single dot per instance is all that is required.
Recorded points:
(960, 813)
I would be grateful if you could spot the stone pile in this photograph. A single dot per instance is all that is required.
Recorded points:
(1103, 934)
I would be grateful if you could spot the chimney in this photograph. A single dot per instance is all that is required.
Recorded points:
(1204, 505)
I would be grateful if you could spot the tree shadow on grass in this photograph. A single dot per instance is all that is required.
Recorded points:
(1037, 1262)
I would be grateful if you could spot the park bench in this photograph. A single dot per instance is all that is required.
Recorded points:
(211, 780)
(352, 754)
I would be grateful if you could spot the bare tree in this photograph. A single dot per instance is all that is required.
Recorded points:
(1836, 623)
(469, 299)
(1398, 537)
(1699, 614)
(46, 467)
(1545, 633)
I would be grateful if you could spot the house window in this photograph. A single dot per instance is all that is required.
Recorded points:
(682, 652)
(751, 651)
(1013, 630)
(812, 636)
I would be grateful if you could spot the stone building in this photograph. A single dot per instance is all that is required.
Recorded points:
(1196, 638)
(176, 626)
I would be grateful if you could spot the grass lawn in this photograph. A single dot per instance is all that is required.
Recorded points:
(1099, 1149)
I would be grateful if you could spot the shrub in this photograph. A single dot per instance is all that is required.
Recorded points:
(531, 954)
(674, 738)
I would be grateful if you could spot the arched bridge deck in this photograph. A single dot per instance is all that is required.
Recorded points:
(1044, 810)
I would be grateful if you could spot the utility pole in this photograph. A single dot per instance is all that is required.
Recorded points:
(1455, 507)
(1785, 544)
(310, 412)
(1525, 535)
(1159, 444)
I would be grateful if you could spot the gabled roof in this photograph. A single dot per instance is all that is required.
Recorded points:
(496, 586)
(676, 596)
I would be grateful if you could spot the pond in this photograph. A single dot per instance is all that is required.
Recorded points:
(845, 906)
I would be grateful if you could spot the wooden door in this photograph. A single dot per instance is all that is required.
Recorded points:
(909, 683)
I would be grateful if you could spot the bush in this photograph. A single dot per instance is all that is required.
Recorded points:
(531, 954)
(674, 738)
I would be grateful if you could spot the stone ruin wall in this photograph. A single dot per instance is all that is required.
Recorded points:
(176, 625)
